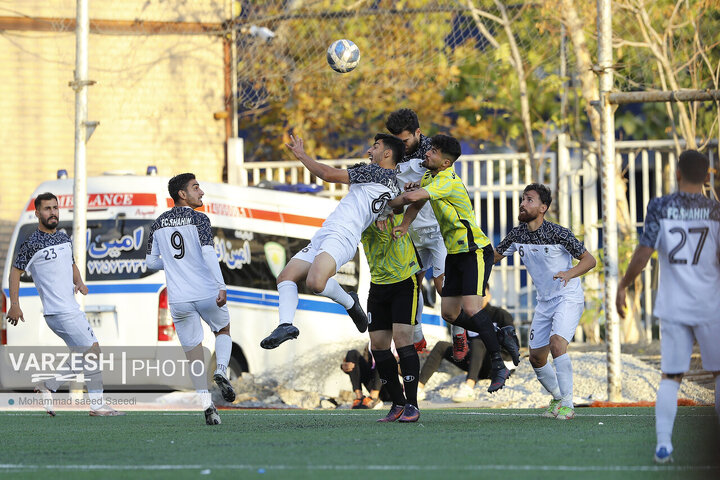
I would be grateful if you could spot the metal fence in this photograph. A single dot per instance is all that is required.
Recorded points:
(495, 183)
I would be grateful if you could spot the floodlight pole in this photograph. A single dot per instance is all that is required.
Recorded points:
(80, 84)
(609, 202)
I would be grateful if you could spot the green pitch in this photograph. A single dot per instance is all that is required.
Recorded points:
(271, 444)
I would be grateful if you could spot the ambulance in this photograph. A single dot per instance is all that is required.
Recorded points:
(256, 231)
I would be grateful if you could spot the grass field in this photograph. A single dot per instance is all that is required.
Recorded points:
(460, 443)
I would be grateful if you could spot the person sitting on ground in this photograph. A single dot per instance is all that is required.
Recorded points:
(477, 363)
(360, 367)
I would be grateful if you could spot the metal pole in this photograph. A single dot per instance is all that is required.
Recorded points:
(609, 171)
(80, 85)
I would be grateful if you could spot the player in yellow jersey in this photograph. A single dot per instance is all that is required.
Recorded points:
(469, 253)
(392, 307)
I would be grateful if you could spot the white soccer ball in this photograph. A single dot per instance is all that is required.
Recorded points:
(343, 56)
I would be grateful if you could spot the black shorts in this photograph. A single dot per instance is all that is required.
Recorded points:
(467, 273)
(392, 303)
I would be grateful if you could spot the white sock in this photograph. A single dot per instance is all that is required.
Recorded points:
(288, 302)
(417, 333)
(717, 396)
(335, 292)
(563, 369)
(455, 330)
(420, 304)
(205, 399)
(665, 410)
(223, 347)
(96, 399)
(547, 378)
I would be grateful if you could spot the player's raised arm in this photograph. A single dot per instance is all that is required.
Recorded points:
(15, 313)
(320, 170)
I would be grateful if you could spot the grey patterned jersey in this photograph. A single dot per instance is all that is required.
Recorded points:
(179, 237)
(422, 149)
(49, 260)
(684, 228)
(545, 252)
(372, 173)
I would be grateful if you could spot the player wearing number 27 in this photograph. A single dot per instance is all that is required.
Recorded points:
(181, 243)
(547, 249)
(684, 228)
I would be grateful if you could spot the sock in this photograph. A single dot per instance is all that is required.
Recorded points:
(547, 378)
(223, 347)
(335, 292)
(420, 304)
(387, 367)
(418, 333)
(205, 399)
(563, 367)
(717, 396)
(410, 368)
(456, 330)
(665, 410)
(96, 399)
(288, 302)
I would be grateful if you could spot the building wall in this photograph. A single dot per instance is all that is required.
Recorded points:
(155, 97)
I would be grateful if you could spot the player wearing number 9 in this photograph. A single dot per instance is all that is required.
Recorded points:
(684, 228)
(181, 243)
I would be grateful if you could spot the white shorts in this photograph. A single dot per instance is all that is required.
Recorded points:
(186, 317)
(558, 316)
(73, 328)
(340, 248)
(676, 344)
(431, 249)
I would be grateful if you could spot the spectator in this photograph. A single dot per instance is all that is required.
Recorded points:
(477, 363)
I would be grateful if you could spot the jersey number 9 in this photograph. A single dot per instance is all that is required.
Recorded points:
(176, 240)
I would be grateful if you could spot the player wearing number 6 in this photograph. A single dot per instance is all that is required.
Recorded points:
(181, 243)
(684, 228)
(547, 249)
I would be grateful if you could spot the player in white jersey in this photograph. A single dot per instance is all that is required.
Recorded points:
(371, 187)
(547, 249)
(424, 231)
(684, 228)
(181, 243)
(47, 256)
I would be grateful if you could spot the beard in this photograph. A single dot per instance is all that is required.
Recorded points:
(526, 217)
(50, 223)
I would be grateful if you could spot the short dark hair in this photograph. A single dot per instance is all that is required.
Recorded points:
(394, 144)
(42, 197)
(402, 120)
(543, 192)
(694, 166)
(448, 146)
(177, 183)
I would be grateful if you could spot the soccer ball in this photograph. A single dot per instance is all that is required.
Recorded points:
(343, 56)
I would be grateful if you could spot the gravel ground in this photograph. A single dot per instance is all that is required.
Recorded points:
(318, 383)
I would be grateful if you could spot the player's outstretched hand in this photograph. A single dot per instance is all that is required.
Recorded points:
(221, 298)
(82, 288)
(14, 314)
(296, 146)
(385, 224)
(620, 302)
(565, 277)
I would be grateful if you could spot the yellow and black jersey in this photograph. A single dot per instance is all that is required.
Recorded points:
(454, 212)
(390, 261)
